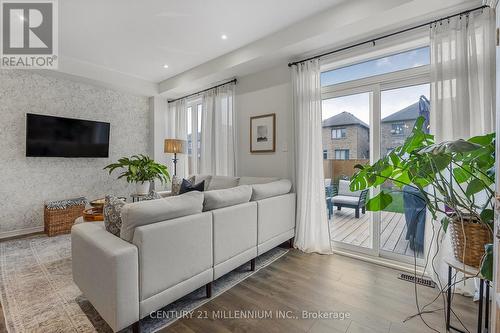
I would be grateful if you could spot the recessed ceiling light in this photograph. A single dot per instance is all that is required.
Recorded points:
(165, 66)
(223, 37)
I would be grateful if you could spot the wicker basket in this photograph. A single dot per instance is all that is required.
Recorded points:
(469, 249)
(60, 220)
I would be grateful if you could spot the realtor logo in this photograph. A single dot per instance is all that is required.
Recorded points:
(29, 34)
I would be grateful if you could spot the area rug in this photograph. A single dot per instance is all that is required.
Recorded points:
(38, 294)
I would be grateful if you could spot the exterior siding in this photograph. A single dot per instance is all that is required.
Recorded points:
(356, 141)
(389, 140)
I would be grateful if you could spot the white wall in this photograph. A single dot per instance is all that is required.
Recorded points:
(269, 91)
(26, 182)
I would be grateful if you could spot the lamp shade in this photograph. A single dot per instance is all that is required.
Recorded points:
(174, 146)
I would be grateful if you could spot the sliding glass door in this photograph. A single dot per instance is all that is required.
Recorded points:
(402, 223)
(346, 142)
(364, 118)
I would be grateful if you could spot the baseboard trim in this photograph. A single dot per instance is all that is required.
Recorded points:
(20, 232)
(400, 266)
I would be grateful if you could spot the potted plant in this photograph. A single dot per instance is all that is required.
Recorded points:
(141, 170)
(454, 178)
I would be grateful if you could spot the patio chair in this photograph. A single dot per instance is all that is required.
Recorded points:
(344, 197)
(329, 193)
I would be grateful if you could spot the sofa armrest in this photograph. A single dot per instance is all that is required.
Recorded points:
(105, 268)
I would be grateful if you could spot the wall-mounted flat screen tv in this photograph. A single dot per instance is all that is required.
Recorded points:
(48, 136)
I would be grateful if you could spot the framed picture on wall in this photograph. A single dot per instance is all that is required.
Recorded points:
(263, 133)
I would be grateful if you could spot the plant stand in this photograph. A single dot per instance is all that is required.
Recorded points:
(468, 271)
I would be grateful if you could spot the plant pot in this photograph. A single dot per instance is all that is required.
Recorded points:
(468, 238)
(142, 187)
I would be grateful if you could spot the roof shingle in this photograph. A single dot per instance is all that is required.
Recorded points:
(343, 119)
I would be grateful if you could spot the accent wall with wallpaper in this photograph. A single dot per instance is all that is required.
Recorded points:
(26, 182)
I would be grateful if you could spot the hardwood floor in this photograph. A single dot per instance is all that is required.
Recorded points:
(372, 295)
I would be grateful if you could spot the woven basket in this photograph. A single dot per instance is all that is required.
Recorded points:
(60, 221)
(468, 239)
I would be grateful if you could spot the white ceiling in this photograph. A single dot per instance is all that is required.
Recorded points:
(136, 38)
(124, 44)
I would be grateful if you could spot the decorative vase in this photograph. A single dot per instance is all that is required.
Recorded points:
(142, 188)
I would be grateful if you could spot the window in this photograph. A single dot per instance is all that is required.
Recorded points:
(398, 129)
(341, 154)
(325, 154)
(194, 135)
(189, 131)
(338, 133)
(392, 63)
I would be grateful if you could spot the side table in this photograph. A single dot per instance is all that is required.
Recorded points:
(468, 271)
(138, 197)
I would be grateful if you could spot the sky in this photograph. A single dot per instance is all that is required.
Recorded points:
(359, 104)
(392, 100)
(392, 63)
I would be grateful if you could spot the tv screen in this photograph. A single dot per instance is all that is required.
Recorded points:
(48, 136)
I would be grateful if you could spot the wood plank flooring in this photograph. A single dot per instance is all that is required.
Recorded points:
(346, 228)
(372, 295)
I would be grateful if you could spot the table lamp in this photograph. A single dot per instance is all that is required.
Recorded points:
(174, 146)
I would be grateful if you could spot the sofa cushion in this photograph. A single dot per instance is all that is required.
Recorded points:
(345, 190)
(227, 197)
(112, 214)
(199, 178)
(188, 186)
(147, 212)
(222, 182)
(345, 199)
(273, 189)
(256, 180)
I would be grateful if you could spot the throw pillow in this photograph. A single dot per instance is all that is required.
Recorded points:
(199, 178)
(176, 185)
(112, 214)
(153, 195)
(188, 186)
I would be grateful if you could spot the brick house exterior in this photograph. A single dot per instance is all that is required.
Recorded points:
(345, 137)
(353, 135)
(396, 127)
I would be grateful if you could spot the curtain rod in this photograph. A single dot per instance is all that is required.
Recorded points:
(386, 36)
(202, 91)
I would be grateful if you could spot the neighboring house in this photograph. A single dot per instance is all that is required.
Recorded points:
(345, 137)
(396, 127)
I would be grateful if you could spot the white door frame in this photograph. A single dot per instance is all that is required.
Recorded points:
(374, 86)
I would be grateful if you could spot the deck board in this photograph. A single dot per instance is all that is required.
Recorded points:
(346, 228)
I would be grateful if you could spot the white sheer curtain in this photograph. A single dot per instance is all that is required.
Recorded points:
(207, 140)
(462, 76)
(176, 128)
(462, 98)
(312, 230)
(217, 144)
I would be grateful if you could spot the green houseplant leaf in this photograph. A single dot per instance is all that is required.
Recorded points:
(140, 168)
(379, 202)
(486, 268)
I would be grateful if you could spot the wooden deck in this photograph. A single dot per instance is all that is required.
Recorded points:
(345, 228)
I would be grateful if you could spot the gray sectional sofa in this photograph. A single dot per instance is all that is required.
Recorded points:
(172, 246)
